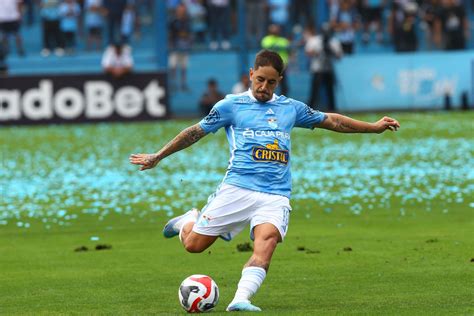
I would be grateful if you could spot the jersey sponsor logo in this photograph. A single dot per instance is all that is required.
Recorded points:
(270, 153)
(213, 117)
(248, 133)
(272, 122)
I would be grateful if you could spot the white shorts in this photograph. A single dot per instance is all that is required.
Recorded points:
(231, 209)
(178, 59)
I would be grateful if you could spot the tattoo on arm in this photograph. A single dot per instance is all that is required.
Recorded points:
(344, 124)
(191, 135)
(183, 140)
(341, 126)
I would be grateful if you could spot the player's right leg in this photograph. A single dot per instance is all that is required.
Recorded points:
(269, 225)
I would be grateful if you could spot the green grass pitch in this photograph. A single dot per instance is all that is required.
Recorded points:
(381, 224)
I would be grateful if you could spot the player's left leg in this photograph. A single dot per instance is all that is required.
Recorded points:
(194, 242)
(183, 226)
(266, 237)
(176, 224)
(225, 215)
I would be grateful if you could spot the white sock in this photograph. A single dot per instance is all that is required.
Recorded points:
(252, 278)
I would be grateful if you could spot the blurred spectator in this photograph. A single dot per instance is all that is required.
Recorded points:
(197, 14)
(429, 11)
(69, 12)
(10, 23)
(129, 19)
(279, 14)
(180, 44)
(371, 11)
(322, 49)
(333, 8)
(402, 26)
(50, 19)
(242, 85)
(298, 60)
(171, 6)
(142, 15)
(210, 97)
(145, 11)
(256, 19)
(94, 23)
(278, 43)
(219, 13)
(117, 60)
(115, 9)
(452, 25)
(3, 69)
(345, 22)
(302, 8)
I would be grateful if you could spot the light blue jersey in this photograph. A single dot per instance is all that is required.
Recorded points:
(259, 139)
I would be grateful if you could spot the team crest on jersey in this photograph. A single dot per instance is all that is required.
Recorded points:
(272, 122)
(270, 153)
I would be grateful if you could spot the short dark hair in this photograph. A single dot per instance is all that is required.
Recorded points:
(267, 57)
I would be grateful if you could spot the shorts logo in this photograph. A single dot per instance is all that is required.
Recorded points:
(213, 117)
(204, 221)
(270, 153)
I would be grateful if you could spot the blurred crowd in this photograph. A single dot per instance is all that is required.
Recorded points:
(212, 24)
(288, 27)
(444, 24)
(63, 23)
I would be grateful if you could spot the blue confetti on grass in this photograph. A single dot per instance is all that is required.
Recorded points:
(95, 179)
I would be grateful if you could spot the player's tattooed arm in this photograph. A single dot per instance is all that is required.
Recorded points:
(184, 139)
(344, 124)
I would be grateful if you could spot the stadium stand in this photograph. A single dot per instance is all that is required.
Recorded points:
(223, 64)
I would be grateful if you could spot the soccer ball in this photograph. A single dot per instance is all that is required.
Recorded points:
(198, 293)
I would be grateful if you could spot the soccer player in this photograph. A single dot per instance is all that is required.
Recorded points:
(256, 187)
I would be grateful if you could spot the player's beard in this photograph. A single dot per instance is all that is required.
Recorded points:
(262, 96)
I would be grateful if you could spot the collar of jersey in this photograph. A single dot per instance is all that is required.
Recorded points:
(250, 94)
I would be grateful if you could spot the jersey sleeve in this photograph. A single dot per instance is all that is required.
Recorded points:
(307, 117)
(221, 115)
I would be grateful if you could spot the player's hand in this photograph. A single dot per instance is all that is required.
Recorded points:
(386, 123)
(147, 161)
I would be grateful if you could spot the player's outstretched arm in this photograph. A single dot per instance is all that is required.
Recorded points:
(344, 124)
(184, 139)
